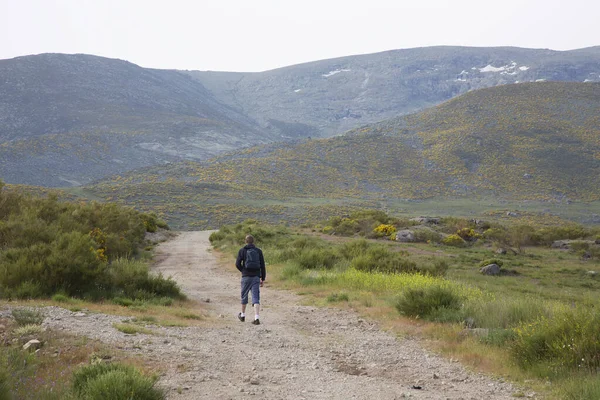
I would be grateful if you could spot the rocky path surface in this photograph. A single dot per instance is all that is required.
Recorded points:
(298, 352)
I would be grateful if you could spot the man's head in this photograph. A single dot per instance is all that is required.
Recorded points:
(249, 239)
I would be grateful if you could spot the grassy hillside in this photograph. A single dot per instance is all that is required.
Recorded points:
(70, 119)
(538, 141)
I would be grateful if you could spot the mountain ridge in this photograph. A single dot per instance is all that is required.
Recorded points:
(72, 119)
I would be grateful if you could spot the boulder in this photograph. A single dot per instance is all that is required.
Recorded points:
(405, 236)
(32, 344)
(426, 220)
(491, 269)
(561, 244)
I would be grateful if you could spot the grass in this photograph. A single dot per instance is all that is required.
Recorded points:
(513, 311)
(131, 329)
(46, 374)
(27, 330)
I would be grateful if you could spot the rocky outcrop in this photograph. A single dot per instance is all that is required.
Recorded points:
(491, 269)
(405, 236)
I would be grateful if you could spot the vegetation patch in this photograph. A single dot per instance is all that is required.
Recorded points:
(65, 249)
(115, 381)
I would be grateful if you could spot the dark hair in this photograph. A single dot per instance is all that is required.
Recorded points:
(249, 239)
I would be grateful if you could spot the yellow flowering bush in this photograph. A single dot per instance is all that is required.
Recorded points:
(454, 241)
(385, 230)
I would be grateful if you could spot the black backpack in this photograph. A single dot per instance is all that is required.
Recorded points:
(252, 261)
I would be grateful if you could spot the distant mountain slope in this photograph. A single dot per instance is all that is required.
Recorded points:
(72, 119)
(329, 97)
(67, 118)
(528, 141)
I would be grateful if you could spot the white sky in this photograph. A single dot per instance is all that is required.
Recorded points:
(255, 35)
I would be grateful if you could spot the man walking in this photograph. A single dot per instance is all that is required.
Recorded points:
(251, 263)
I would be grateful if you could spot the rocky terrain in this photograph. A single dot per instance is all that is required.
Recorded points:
(67, 120)
(332, 96)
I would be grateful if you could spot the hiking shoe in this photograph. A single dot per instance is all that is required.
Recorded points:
(256, 322)
(241, 318)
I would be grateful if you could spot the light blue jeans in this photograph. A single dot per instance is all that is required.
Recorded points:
(251, 283)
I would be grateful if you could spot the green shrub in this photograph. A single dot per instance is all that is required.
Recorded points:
(355, 248)
(347, 227)
(379, 259)
(291, 271)
(116, 385)
(51, 246)
(427, 236)
(423, 302)
(438, 267)
(317, 258)
(28, 290)
(114, 382)
(27, 330)
(497, 234)
(85, 374)
(454, 241)
(73, 264)
(569, 339)
(217, 236)
(133, 280)
(454, 224)
(122, 301)
(27, 316)
(547, 235)
(61, 298)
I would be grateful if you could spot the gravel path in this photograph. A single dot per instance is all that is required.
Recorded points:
(298, 352)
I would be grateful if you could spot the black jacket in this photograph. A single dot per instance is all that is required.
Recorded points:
(239, 263)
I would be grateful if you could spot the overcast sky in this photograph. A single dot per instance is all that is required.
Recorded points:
(255, 35)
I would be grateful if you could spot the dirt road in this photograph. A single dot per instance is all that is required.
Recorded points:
(298, 352)
(302, 352)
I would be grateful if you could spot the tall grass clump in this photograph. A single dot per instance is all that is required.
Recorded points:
(568, 340)
(114, 381)
(424, 302)
(505, 313)
(581, 388)
(27, 316)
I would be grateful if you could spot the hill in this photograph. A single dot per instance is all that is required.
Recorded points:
(70, 119)
(328, 97)
(534, 141)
